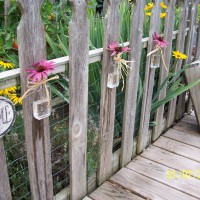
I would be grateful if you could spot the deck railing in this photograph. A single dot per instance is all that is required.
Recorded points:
(37, 132)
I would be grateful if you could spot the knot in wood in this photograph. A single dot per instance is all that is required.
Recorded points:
(76, 130)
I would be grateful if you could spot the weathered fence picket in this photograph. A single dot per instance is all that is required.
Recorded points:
(78, 88)
(167, 54)
(180, 47)
(32, 48)
(5, 192)
(132, 82)
(143, 138)
(108, 96)
(180, 109)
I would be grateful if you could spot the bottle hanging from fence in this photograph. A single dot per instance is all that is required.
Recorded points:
(42, 102)
(155, 60)
(114, 76)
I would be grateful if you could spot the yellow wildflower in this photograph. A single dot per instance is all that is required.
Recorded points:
(162, 5)
(9, 90)
(179, 55)
(15, 98)
(162, 15)
(148, 13)
(6, 64)
(148, 7)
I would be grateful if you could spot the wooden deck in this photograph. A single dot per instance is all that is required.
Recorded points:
(169, 169)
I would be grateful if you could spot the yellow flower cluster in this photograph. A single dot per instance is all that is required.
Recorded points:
(12, 94)
(6, 65)
(179, 55)
(149, 6)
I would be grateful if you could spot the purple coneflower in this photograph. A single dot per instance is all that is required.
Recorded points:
(158, 40)
(41, 70)
(114, 46)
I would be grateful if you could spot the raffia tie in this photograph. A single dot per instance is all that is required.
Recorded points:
(32, 87)
(158, 48)
(123, 67)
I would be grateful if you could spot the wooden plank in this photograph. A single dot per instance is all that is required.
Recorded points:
(188, 51)
(78, 94)
(193, 74)
(180, 47)
(168, 33)
(147, 187)
(108, 96)
(192, 139)
(178, 148)
(87, 198)
(197, 55)
(36, 132)
(5, 192)
(111, 191)
(169, 159)
(6, 10)
(190, 119)
(132, 81)
(143, 139)
(186, 127)
(161, 174)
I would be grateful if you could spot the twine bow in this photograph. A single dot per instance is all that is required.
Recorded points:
(32, 87)
(123, 67)
(158, 48)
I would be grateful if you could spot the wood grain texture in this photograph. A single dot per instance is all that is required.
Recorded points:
(143, 139)
(197, 55)
(187, 128)
(193, 74)
(188, 51)
(190, 119)
(87, 198)
(6, 10)
(147, 187)
(32, 48)
(169, 159)
(167, 52)
(180, 47)
(159, 173)
(111, 191)
(184, 137)
(78, 90)
(178, 148)
(137, 21)
(5, 192)
(108, 96)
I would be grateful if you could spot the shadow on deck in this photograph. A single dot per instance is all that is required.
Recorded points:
(169, 169)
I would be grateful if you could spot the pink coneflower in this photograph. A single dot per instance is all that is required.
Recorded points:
(158, 40)
(41, 71)
(114, 46)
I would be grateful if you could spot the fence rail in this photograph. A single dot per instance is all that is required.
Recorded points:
(37, 133)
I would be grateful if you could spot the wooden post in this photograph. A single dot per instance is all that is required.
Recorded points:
(188, 51)
(180, 47)
(143, 138)
(5, 192)
(6, 9)
(167, 54)
(78, 87)
(108, 96)
(132, 82)
(32, 48)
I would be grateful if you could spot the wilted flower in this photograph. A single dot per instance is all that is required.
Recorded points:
(41, 71)
(159, 41)
(117, 49)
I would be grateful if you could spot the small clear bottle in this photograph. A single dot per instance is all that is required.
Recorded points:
(114, 76)
(42, 102)
(155, 60)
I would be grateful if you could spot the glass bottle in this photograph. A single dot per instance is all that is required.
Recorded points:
(114, 76)
(155, 60)
(42, 102)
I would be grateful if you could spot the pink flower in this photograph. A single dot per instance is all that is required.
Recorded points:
(41, 70)
(158, 40)
(114, 46)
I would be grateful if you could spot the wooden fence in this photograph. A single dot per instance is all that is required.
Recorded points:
(32, 47)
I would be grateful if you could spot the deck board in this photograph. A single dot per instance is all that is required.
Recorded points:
(179, 148)
(160, 173)
(169, 169)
